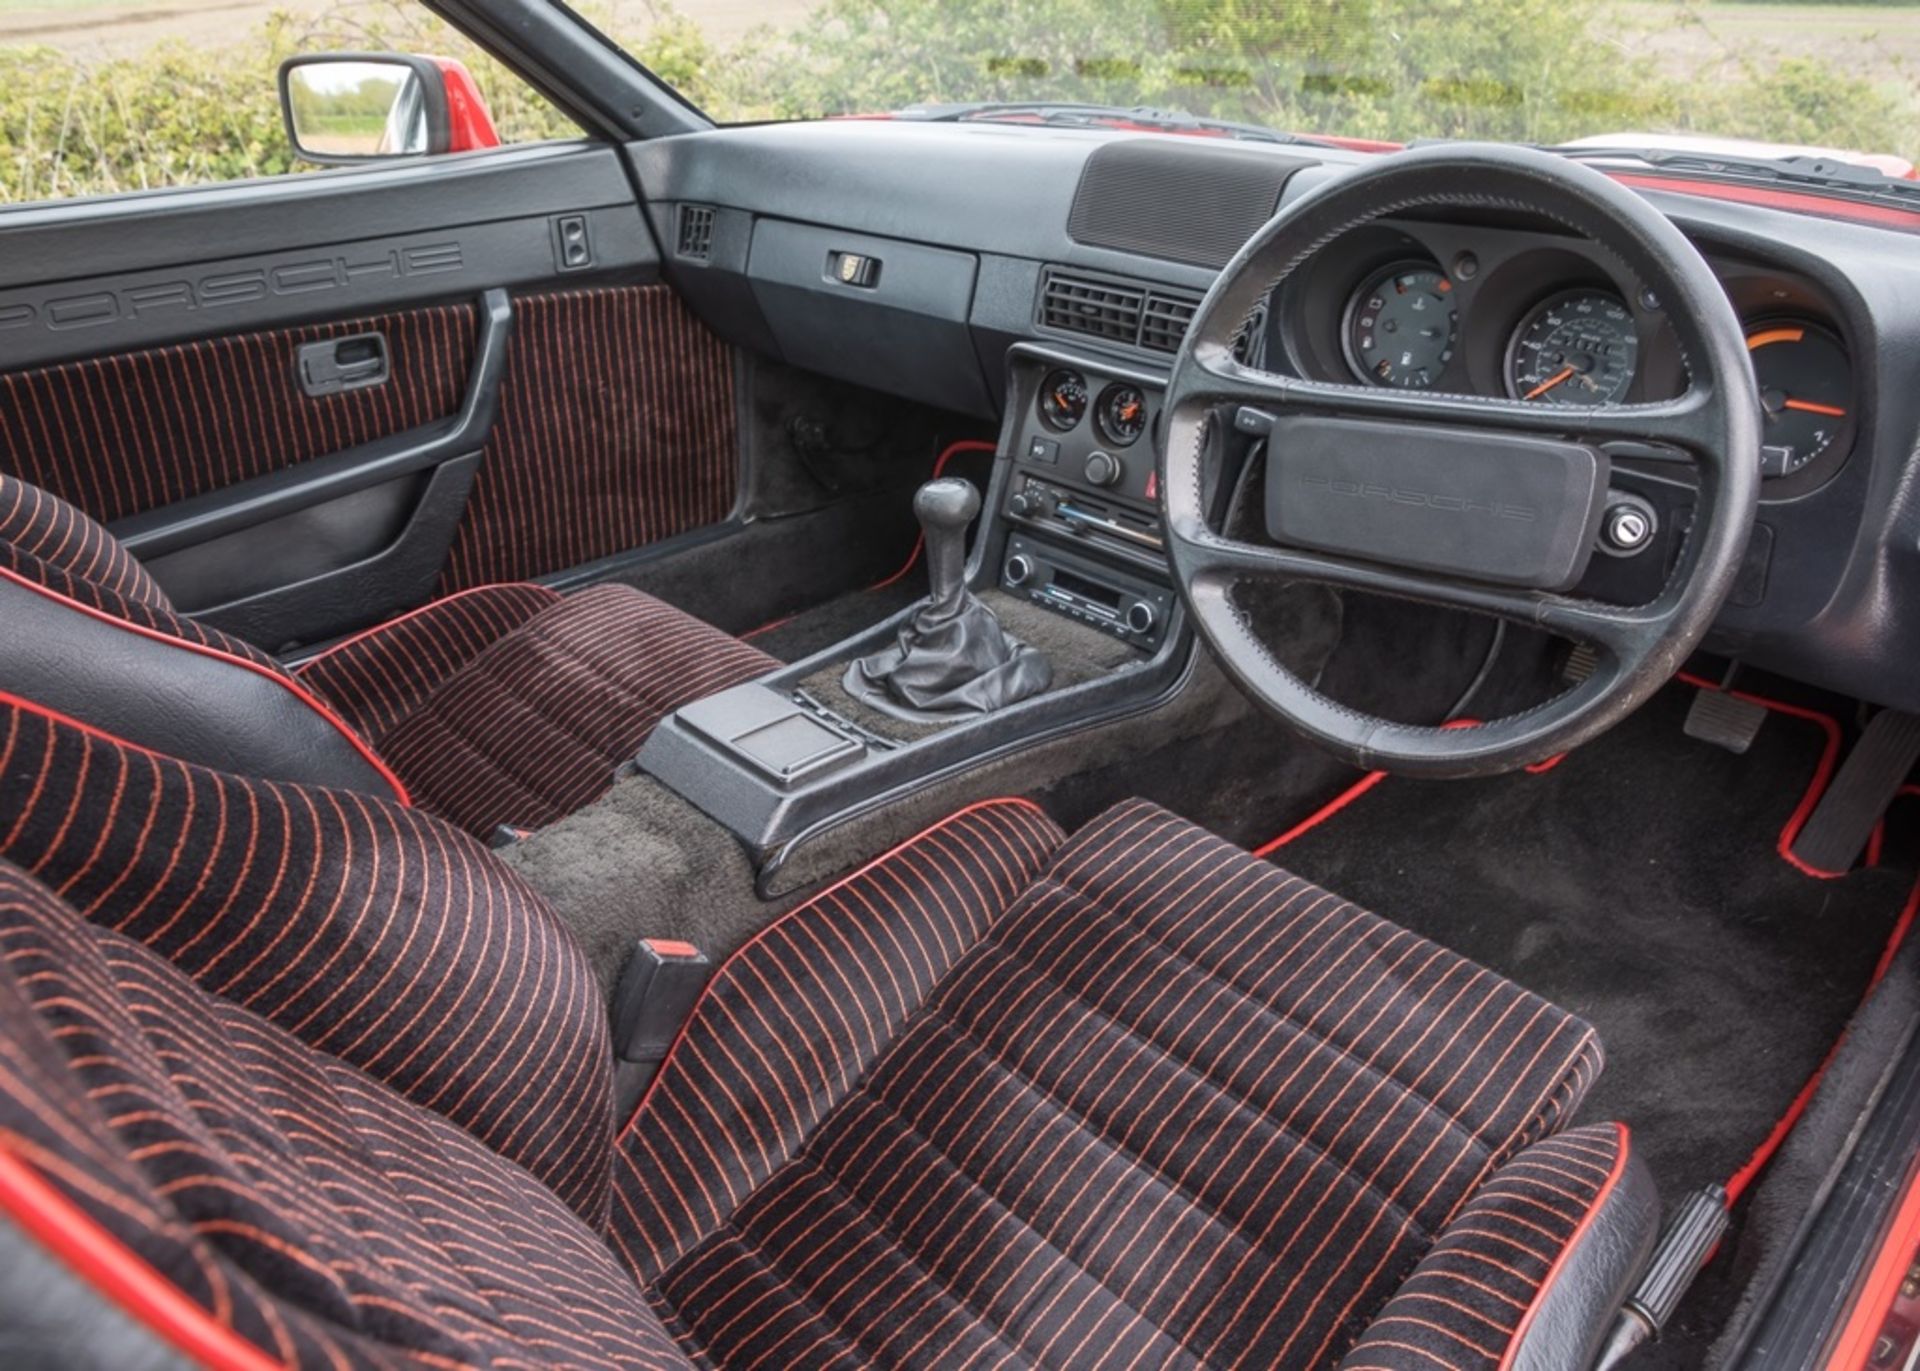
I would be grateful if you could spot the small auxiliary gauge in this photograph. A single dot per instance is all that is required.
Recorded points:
(1806, 392)
(1063, 400)
(1122, 414)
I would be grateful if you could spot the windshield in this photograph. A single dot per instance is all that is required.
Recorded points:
(1801, 73)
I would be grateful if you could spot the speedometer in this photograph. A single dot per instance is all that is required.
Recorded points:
(1579, 348)
(1400, 326)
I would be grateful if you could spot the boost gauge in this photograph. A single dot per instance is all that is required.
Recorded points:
(1400, 326)
(1122, 414)
(1806, 386)
(1063, 400)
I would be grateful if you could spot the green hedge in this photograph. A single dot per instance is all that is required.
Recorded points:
(1534, 70)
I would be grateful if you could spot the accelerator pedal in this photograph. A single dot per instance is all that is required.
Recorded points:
(1723, 719)
(1838, 829)
(1689, 1241)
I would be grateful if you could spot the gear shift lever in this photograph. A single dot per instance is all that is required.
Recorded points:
(952, 657)
(945, 509)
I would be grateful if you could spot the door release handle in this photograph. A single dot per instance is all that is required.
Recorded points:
(336, 364)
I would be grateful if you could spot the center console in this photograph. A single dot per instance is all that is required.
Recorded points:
(1067, 552)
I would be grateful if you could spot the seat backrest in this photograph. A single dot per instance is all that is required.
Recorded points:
(366, 930)
(92, 634)
(283, 1195)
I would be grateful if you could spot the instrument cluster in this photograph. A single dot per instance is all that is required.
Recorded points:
(1546, 319)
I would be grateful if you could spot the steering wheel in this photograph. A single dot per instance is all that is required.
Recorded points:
(1455, 500)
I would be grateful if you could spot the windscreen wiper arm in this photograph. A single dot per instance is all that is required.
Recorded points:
(1066, 114)
(1821, 173)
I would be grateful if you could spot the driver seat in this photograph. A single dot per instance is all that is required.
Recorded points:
(300, 1077)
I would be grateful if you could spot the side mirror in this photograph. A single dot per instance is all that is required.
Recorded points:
(348, 107)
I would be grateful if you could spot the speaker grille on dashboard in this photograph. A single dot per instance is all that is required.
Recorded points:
(1183, 199)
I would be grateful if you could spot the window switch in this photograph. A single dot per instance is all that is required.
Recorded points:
(571, 248)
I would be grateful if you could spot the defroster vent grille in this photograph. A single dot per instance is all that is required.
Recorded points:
(696, 232)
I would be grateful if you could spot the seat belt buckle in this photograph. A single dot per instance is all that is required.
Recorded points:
(662, 981)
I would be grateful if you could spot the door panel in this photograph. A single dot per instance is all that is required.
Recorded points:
(136, 431)
(541, 407)
(617, 429)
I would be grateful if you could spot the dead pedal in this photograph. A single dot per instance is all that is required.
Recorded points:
(1724, 720)
(1837, 830)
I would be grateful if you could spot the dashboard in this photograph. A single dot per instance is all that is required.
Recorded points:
(1537, 316)
(975, 244)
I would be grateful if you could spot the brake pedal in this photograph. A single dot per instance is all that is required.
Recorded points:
(1579, 664)
(1723, 719)
(1685, 1247)
(1837, 830)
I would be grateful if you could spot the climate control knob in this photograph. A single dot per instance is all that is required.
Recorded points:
(1140, 617)
(1103, 469)
(1019, 569)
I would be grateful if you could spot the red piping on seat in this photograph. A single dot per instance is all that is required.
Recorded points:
(1559, 1262)
(287, 683)
(118, 1273)
(799, 909)
(416, 613)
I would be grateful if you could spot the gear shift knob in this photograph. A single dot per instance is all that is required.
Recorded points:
(945, 508)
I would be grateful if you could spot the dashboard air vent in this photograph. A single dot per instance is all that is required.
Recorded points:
(696, 232)
(1164, 322)
(1100, 309)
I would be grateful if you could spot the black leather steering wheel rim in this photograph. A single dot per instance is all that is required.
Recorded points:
(1714, 426)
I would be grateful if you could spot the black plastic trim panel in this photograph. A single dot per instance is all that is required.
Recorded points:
(126, 272)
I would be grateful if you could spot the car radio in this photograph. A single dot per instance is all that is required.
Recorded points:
(1061, 509)
(1129, 607)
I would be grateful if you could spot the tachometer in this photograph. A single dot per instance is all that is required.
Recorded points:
(1400, 326)
(1806, 390)
(1122, 414)
(1579, 348)
(1063, 400)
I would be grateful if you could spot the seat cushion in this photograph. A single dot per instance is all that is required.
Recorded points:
(1166, 1105)
(365, 929)
(531, 726)
(293, 1198)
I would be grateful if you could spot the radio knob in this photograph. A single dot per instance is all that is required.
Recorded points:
(1023, 505)
(1104, 469)
(1019, 569)
(1140, 617)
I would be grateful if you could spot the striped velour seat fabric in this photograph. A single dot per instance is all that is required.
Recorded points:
(321, 1216)
(1002, 1097)
(531, 726)
(365, 929)
(501, 705)
(1174, 1107)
